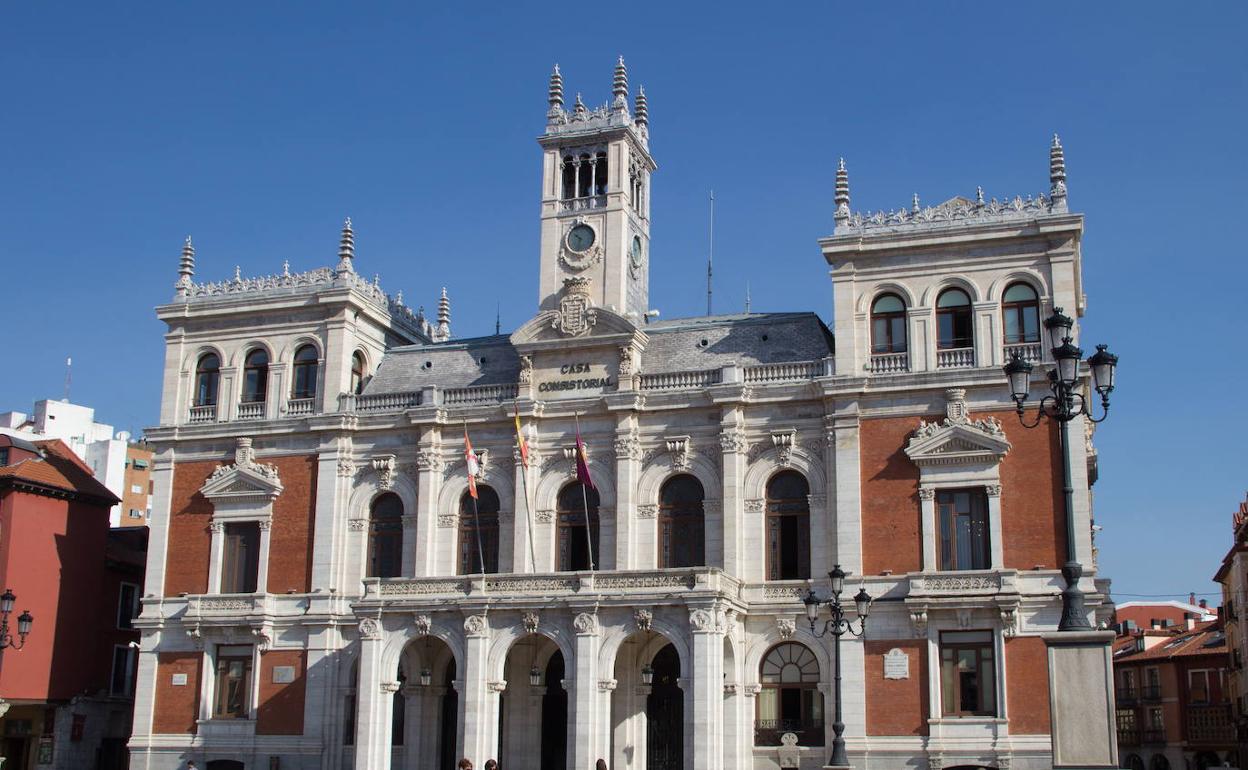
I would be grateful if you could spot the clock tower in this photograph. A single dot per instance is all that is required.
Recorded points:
(596, 168)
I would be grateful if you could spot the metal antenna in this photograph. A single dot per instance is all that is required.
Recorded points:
(69, 371)
(710, 255)
(747, 297)
(498, 318)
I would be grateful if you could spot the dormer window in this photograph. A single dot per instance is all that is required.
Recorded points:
(584, 175)
(255, 377)
(304, 373)
(207, 376)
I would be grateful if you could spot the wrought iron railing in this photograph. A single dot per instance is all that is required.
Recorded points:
(1210, 724)
(767, 732)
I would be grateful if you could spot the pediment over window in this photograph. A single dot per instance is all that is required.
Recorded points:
(244, 481)
(957, 439)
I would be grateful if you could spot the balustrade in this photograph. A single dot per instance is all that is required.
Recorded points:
(955, 358)
(780, 372)
(479, 394)
(889, 363)
(201, 414)
(299, 407)
(1028, 351)
(681, 380)
(584, 204)
(251, 411)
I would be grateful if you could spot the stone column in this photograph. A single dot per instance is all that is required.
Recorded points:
(372, 720)
(275, 396)
(522, 556)
(215, 547)
(335, 470)
(429, 465)
(426, 757)
(733, 445)
(477, 703)
(745, 746)
(409, 545)
(627, 468)
(586, 733)
(929, 530)
(848, 545)
(705, 719)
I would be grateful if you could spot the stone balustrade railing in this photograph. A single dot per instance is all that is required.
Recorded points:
(659, 582)
(479, 394)
(202, 414)
(787, 371)
(300, 407)
(889, 363)
(250, 410)
(955, 358)
(1030, 352)
(699, 378)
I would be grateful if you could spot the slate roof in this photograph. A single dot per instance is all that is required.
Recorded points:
(57, 469)
(681, 344)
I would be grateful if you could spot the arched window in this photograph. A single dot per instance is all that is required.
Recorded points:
(357, 372)
(207, 375)
(788, 527)
(569, 177)
(478, 522)
(888, 324)
(1020, 314)
(574, 546)
(385, 537)
(255, 377)
(1133, 762)
(790, 701)
(953, 320)
(304, 374)
(681, 523)
(1159, 762)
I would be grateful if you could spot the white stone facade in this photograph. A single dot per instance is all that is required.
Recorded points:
(730, 401)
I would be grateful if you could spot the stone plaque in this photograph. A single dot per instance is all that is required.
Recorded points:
(178, 680)
(574, 377)
(896, 664)
(283, 674)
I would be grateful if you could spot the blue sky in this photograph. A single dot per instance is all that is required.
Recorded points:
(256, 127)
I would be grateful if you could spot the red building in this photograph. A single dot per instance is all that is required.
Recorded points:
(1174, 710)
(66, 694)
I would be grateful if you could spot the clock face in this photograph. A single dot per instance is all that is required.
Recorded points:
(581, 238)
(636, 251)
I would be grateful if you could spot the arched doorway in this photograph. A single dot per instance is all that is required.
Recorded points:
(448, 714)
(424, 709)
(225, 764)
(555, 716)
(665, 713)
(533, 710)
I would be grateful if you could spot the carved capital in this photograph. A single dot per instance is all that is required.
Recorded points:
(370, 629)
(389, 688)
(544, 516)
(430, 460)
(606, 685)
(357, 525)
(927, 493)
(918, 619)
(751, 690)
(755, 505)
(702, 621)
(647, 511)
(733, 441)
(498, 685)
(993, 490)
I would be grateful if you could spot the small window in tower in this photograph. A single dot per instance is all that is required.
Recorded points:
(569, 177)
(600, 174)
(584, 176)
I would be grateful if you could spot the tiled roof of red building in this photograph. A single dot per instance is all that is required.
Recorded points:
(1205, 639)
(57, 468)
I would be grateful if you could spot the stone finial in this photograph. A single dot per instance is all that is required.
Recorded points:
(979, 196)
(556, 92)
(346, 250)
(1057, 174)
(578, 107)
(914, 204)
(619, 86)
(641, 111)
(186, 269)
(443, 332)
(842, 193)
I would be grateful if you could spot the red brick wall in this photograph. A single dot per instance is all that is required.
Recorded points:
(1033, 516)
(890, 497)
(290, 545)
(280, 710)
(176, 707)
(1027, 685)
(290, 540)
(1033, 520)
(186, 568)
(896, 706)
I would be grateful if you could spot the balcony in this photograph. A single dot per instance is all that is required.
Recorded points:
(1150, 692)
(889, 363)
(202, 414)
(785, 372)
(251, 411)
(1153, 735)
(586, 203)
(300, 407)
(1128, 736)
(955, 358)
(767, 732)
(681, 380)
(480, 394)
(1030, 352)
(1210, 724)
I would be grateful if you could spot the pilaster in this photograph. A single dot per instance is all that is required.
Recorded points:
(705, 695)
(585, 735)
(848, 544)
(477, 703)
(429, 465)
(627, 470)
(372, 721)
(732, 444)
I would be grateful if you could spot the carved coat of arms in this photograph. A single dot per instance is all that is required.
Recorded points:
(576, 311)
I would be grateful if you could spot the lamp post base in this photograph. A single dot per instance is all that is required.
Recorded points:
(1074, 616)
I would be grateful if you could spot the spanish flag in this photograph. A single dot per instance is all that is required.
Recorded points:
(520, 442)
(474, 467)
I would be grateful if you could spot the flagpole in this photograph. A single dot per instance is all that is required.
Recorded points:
(589, 536)
(476, 513)
(524, 477)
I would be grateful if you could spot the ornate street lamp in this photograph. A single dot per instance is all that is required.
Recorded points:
(647, 675)
(837, 625)
(24, 622)
(535, 677)
(426, 677)
(1064, 403)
